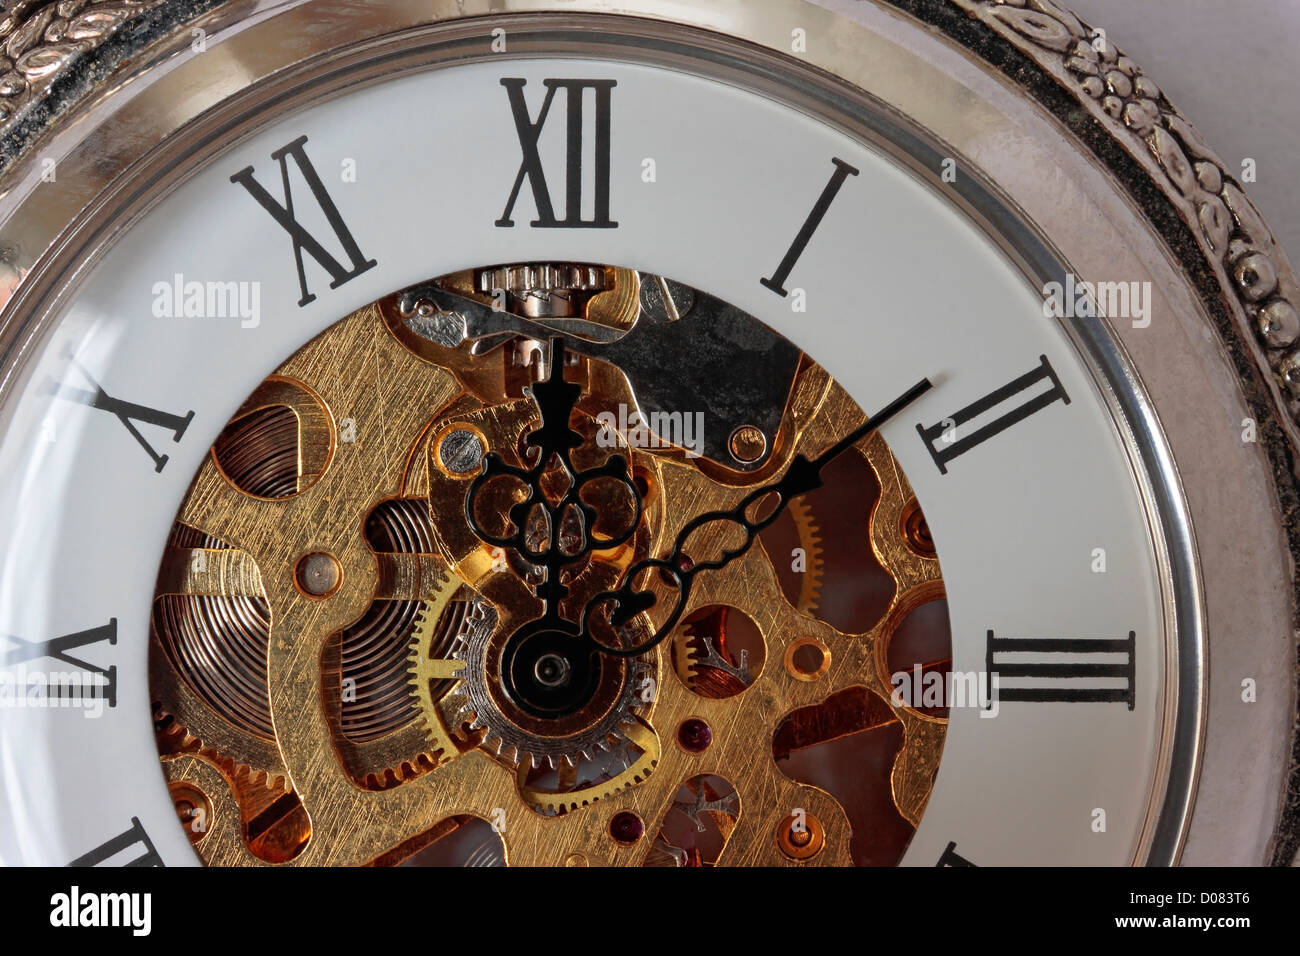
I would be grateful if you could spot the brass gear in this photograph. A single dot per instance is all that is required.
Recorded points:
(635, 773)
(543, 277)
(551, 769)
(810, 539)
(175, 740)
(429, 674)
(470, 702)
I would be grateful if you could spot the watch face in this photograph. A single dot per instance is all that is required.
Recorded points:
(508, 444)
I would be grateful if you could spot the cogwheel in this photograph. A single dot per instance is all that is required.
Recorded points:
(810, 539)
(542, 277)
(471, 702)
(429, 670)
(175, 740)
(703, 661)
(640, 736)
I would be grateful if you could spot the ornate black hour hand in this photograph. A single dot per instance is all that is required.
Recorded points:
(548, 667)
(802, 476)
(554, 439)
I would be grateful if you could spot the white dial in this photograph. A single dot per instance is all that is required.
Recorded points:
(1051, 555)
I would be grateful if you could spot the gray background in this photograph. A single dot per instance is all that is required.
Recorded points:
(1230, 67)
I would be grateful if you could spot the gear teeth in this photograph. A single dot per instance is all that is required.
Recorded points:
(183, 741)
(468, 704)
(406, 770)
(810, 539)
(638, 773)
(422, 633)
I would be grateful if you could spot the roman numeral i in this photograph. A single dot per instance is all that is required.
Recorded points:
(776, 281)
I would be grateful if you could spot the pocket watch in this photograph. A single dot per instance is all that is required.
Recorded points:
(634, 433)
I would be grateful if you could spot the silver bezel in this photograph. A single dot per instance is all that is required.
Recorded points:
(127, 141)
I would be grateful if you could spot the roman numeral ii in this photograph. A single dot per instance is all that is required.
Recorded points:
(947, 439)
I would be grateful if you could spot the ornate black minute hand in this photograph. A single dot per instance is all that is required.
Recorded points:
(800, 478)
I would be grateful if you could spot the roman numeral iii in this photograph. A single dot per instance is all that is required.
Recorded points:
(1060, 670)
(529, 132)
(948, 438)
(304, 241)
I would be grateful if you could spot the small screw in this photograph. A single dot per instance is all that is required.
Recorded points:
(460, 451)
(193, 809)
(800, 842)
(551, 670)
(916, 531)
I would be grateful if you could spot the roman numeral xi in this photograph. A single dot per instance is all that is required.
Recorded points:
(282, 212)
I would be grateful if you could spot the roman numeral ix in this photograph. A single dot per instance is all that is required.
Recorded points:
(529, 132)
(304, 241)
